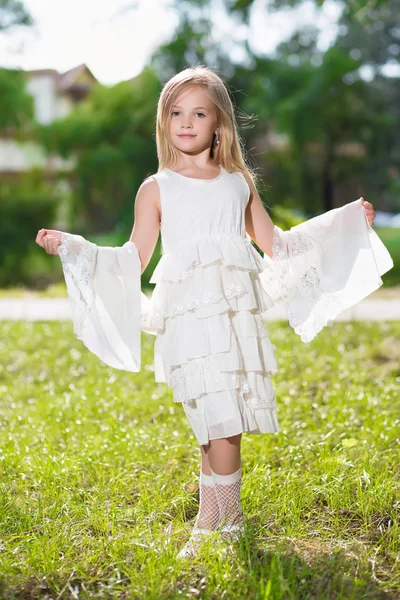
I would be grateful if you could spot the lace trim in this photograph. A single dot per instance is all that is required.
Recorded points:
(233, 250)
(210, 298)
(78, 257)
(185, 390)
(258, 402)
(254, 402)
(324, 305)
(156, 317)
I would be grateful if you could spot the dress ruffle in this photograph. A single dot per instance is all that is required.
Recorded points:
(207, 276)
(212, 345)
(232, 341)
(223, 248)
(227, 413)
(200, 377)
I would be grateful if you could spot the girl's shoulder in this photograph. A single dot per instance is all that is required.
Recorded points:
(153, 176)
(157, 177)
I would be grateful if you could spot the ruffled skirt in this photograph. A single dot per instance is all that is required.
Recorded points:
(212, 346)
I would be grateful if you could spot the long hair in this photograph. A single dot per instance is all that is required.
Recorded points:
(230, 152)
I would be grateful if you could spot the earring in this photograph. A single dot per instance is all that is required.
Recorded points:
(217, 137)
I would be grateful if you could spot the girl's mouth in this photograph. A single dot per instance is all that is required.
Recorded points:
(186, 135)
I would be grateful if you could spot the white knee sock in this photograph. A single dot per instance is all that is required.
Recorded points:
(208, 515)
(227, 489)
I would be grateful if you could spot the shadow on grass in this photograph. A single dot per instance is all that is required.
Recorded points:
(254, 567)
(281, 568)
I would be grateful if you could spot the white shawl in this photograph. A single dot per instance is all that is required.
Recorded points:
(318, 269)
(104, 290)
(323, 266)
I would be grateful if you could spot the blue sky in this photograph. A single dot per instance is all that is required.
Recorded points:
(115, 41)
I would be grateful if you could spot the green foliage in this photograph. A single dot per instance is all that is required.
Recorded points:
(284, 217)
(358, 9)
(111, 136)
(391, 238)
(100, 471)
(16, 105)
(13, 13)
(24, 207)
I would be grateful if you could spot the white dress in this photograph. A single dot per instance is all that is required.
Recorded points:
(212, 347)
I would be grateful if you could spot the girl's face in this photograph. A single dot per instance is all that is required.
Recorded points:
(193, 121)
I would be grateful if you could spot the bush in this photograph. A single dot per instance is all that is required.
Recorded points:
(284, 217)
(25, 207)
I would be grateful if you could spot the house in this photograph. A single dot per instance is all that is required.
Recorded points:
(55, 95)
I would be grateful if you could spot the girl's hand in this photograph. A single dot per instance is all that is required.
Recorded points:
(49, 239)
(369, 211)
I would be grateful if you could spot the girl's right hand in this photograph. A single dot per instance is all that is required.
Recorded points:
(49, 239)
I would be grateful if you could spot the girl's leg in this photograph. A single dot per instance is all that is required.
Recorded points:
(225, 465)
(224, 455)
(205, 463)
(220, 482)
(208, 515)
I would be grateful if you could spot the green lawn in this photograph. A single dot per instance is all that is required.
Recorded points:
(99, 470)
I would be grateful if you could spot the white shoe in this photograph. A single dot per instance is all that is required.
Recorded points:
(233, 532)
(194, 543)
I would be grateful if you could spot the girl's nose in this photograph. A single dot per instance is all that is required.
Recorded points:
(186, 122)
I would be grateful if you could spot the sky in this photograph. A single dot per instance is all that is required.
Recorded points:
(116, 38)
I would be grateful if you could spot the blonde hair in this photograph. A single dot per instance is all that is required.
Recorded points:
(229, 153)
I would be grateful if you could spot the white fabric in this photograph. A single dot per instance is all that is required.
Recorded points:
(323, 266)
(227, 488)
(208, 515)
(103, 285)
(212, 347)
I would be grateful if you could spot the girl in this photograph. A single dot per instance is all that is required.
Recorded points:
(212, 286)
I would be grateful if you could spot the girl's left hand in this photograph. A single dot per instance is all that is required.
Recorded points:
(369, 211)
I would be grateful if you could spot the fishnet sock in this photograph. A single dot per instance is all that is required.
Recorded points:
(207, 518)
(227, 489)
(208, 515)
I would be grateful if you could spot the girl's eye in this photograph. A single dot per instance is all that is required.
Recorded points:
(175, 112)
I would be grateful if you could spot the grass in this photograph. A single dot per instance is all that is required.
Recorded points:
(99, 470)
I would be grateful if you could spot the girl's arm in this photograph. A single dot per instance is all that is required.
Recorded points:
(144, 234)
(146, 225)
(262, 230)
(108, 308)
(258, 223)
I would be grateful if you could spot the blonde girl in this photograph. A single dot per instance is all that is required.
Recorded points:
(212, 286)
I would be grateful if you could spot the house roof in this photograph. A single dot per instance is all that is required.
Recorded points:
(67, 80)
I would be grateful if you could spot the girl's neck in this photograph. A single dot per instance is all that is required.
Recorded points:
(202, 176)
(207, 171)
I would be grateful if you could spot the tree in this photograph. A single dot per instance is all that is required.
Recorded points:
(356, 9)
(16, 105)
(12, 13)
(110, 135)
